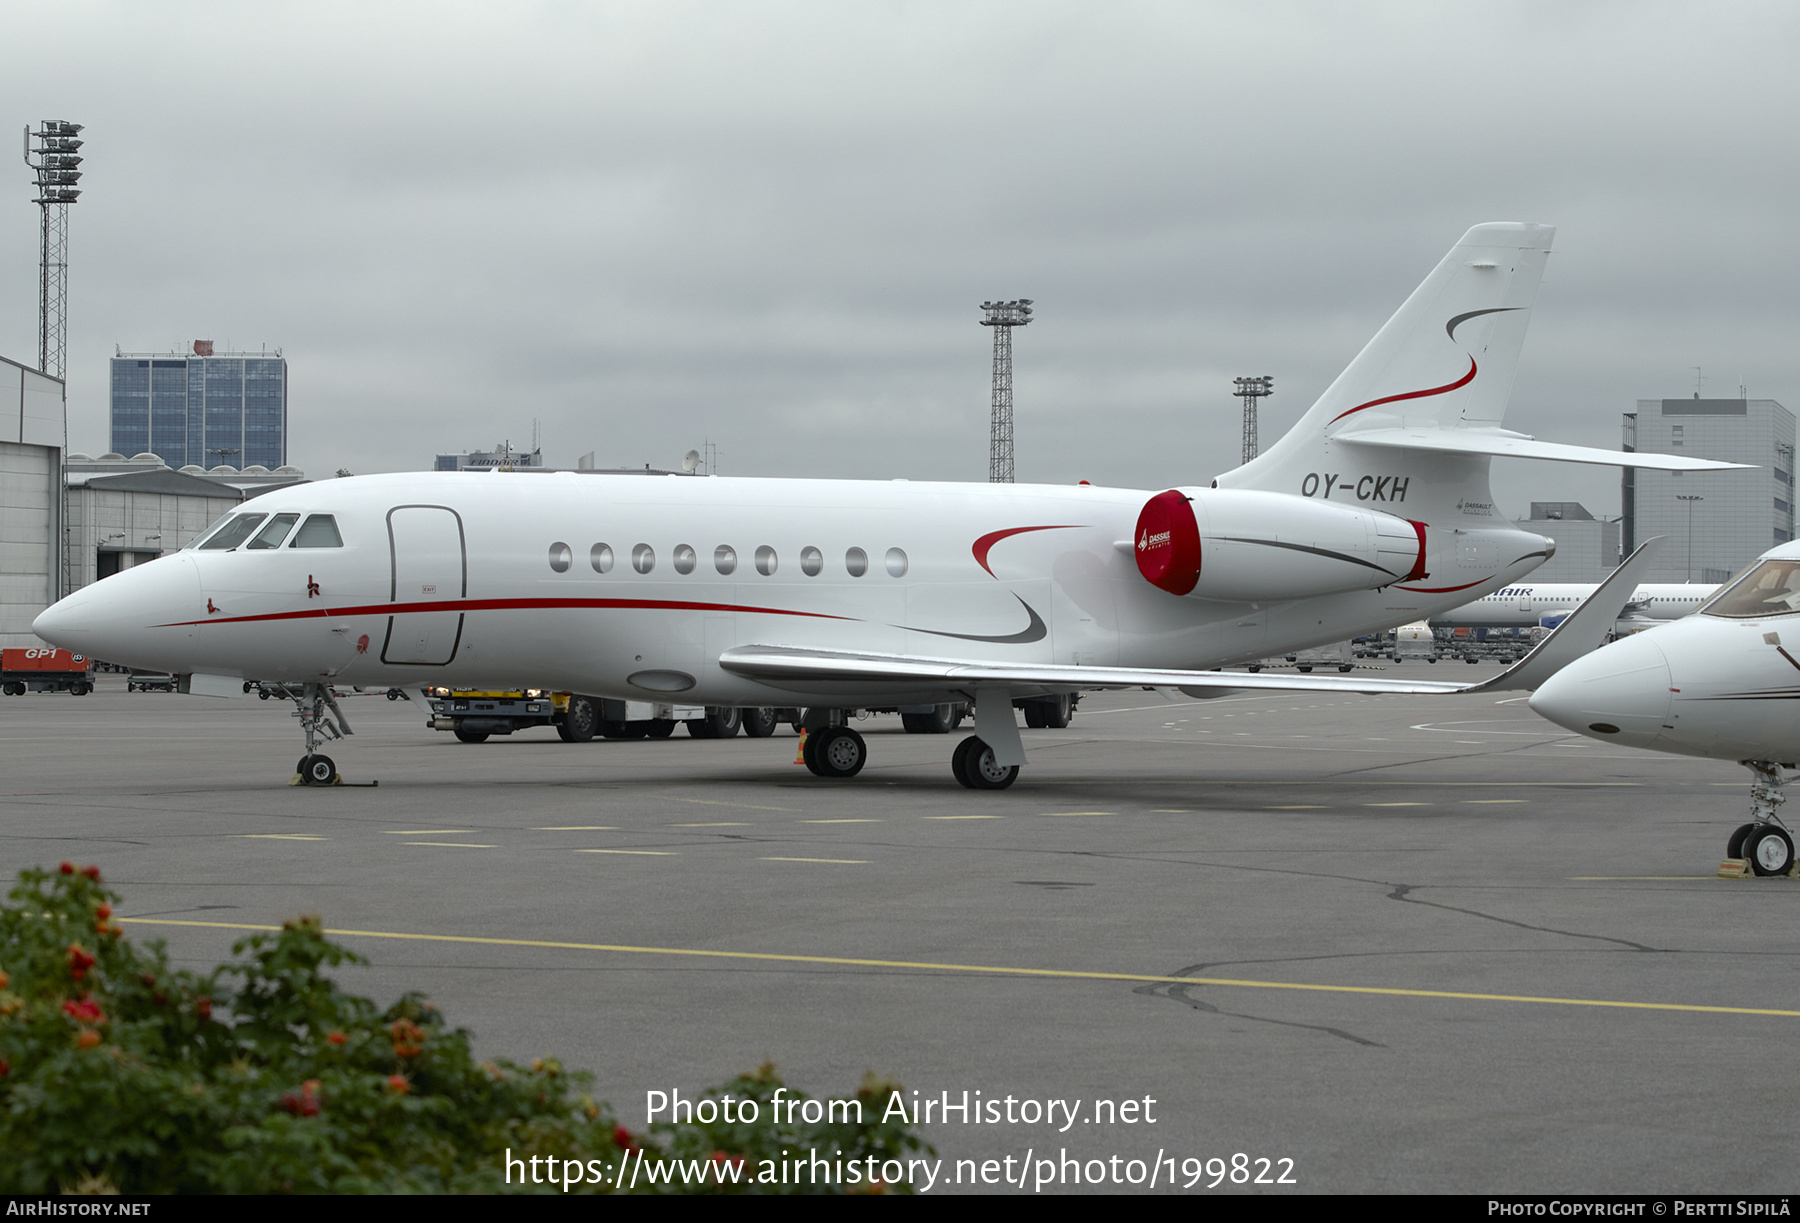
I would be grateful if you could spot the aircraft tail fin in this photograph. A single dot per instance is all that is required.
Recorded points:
(1444, 362)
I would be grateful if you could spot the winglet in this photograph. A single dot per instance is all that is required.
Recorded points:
(1583, 631)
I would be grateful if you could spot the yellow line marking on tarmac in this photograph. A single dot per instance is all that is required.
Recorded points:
(840, 821)
(727, 824)
(1053, 973)
(712, 802)
(1170, 811)
(449, 844)
(421, 832)
(965, 817)
(279, 836)
(652, 853)
(834, 861)
(579, 828)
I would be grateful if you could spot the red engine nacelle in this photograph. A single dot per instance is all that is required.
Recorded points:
(1260, 546)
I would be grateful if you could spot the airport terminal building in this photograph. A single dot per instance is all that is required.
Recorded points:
(1717, 521)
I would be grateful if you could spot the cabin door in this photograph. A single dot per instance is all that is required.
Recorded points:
(431, 577)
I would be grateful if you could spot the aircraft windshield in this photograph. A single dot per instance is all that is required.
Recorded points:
(1770, 589)
(272, 535)
(234, 532)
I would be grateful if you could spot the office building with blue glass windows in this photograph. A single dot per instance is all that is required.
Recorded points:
(201, 408)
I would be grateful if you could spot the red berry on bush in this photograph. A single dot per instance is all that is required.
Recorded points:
(337, 1038)
(92, 872)
(398, 1085)
(88, 1039)
(67, 868)
(203, 1008)
(103, 911)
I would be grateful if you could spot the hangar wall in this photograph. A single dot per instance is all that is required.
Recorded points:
(31, 502)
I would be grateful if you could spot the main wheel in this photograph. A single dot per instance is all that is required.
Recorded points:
(1034, 715)
(1058, 710)
(471, 736)
(840, 752)
(1770, 850)
(760, 723)
(809, 752)
(975, 766)
(1734, 845)
(580, 720)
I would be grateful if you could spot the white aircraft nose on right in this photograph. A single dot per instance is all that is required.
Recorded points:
(1617, 694)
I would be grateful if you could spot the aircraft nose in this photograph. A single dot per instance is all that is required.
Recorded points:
(1617, 694)
(125, 618)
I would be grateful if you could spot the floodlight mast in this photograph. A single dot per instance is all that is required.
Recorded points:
(1250, 390)
(57, 170)
(1003, 317)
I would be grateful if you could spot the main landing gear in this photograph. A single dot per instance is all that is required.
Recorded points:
(1765, 842)
(986, 760)
(320, 719)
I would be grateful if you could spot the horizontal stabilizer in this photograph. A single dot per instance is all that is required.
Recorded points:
(1501, 443)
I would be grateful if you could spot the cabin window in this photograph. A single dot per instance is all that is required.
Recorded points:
(857, 562)
(685, 558)
(272, 535)
(601, 558)
(643, 558)
(560, 557)
(234, 532)
(812, 561)
(766, 560)
(725, 558)
(318, 531)
(896, 563)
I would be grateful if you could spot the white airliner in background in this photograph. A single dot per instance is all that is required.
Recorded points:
(1544, 604)
(1723, 684)
(834, 594)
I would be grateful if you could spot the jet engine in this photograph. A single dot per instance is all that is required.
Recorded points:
(1248, 546)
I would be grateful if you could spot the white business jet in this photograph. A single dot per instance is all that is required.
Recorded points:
(832, 594)
(1719, 684)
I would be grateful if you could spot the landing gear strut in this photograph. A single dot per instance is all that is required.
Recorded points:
(1765, 841)
(320, 719)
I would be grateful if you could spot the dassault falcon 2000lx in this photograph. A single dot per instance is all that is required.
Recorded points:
(1374, 510)
(1720, 683)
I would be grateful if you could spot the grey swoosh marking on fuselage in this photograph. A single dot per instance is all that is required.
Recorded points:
(1035, 631)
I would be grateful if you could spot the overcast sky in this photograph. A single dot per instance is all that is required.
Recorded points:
(771, 225)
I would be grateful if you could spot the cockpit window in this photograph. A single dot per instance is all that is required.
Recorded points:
(234, 532)
(1770, 589)
(318, 531)
(272, 535)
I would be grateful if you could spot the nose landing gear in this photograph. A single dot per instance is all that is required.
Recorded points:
(1765, 843)
(320, 719)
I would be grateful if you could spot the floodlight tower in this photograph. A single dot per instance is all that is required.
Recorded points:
(57, 170)
(1003, 317)
(1250, 390)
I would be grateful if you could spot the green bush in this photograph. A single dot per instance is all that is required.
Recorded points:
(118, 1073)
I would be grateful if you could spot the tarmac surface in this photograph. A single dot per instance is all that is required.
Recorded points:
(1407, 943)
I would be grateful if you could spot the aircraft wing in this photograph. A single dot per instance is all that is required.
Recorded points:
(1582, 631)
(1503, 443)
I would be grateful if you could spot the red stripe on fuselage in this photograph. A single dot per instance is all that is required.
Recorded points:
(987, 541)
(1436, 390)
(469, 605)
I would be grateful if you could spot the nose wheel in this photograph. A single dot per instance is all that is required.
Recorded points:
(320, 719)
(1764, 843)
(316, 770)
